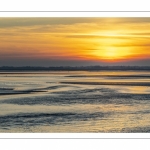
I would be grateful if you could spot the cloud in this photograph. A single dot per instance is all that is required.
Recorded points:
(20, 22)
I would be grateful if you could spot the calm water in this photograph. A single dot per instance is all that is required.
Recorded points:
(75, 102)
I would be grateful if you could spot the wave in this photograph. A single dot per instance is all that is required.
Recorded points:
(12, 91)
(103, 95)
(35, 119)
(142, 129)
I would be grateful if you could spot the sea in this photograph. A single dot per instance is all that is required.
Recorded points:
(75, 102)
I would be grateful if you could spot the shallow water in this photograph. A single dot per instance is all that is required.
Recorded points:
(77, 101)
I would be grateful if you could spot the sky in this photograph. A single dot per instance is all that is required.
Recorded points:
(71, 41)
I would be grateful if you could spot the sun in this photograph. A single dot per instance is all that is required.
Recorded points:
(114, 53)
(110, 53)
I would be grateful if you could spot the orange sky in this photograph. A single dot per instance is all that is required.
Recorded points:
(105, 40)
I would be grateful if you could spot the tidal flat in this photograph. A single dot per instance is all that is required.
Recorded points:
(75, 102)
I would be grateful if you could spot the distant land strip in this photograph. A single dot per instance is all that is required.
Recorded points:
(111, 83)
(78, 68)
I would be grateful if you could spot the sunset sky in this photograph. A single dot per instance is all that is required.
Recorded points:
(74, 41)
